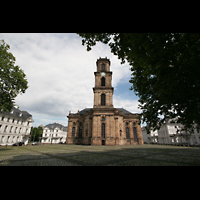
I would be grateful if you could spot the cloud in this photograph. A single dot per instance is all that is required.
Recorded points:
(130, 105)
(60, 73)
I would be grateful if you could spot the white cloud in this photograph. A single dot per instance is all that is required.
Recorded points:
(60, 73)
(130, 105)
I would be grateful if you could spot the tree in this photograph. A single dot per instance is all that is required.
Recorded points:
(165, 72)
(36, 132)
(12, 78)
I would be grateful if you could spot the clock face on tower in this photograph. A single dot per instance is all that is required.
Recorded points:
(102, 73)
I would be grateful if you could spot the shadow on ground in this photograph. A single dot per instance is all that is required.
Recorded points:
(88, 156)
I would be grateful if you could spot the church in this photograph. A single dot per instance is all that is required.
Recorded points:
(103, 124)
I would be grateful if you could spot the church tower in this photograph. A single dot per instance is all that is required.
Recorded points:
(103, 90)
(103, 124)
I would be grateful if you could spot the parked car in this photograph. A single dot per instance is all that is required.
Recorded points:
(18, 144)
(21, 143)
(185, 144)
(35, 143)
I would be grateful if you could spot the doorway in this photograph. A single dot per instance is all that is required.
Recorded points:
(103, 142)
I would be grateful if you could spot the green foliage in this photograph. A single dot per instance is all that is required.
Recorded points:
(165, 72)
(12, 78)
(36, 132)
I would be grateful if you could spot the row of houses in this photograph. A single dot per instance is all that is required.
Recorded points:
(172, 134)
(15, 127)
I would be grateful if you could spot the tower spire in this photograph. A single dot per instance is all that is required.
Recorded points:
(103, 90)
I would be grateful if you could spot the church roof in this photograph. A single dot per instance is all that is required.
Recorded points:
(124, 111)
(82, 112)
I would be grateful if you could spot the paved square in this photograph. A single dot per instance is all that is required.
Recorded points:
(81, 155)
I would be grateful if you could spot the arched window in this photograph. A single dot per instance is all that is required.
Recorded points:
(103, 130)
(86, 132)
(103, 118)
(103, 67)
(103, 81)
(127, 133)
(73, 131)
(80, 132)
(103, 99)
(135, 134)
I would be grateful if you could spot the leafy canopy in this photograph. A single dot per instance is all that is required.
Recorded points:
(165, 72)
(36, 133)
(12, 78)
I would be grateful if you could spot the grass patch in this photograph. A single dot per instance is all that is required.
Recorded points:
(81, 155)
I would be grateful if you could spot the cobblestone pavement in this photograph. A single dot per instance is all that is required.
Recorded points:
(81, 155)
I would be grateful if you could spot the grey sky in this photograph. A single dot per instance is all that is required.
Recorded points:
(60, 73)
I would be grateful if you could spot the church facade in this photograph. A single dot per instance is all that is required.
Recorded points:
(103, 124)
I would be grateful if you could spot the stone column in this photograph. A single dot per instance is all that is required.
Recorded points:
(107, 127)
(96, 138)
(69, 133)
(110, 103)
(139, 134)
(99, 99)
(131, 132)
(112, 123)
(95, 98)
(116, 127)
(94, 127)
(98, 127)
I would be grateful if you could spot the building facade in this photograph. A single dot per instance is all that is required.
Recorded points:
(54, 133)
(172, 133)
(15, 126)
(103, 124)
